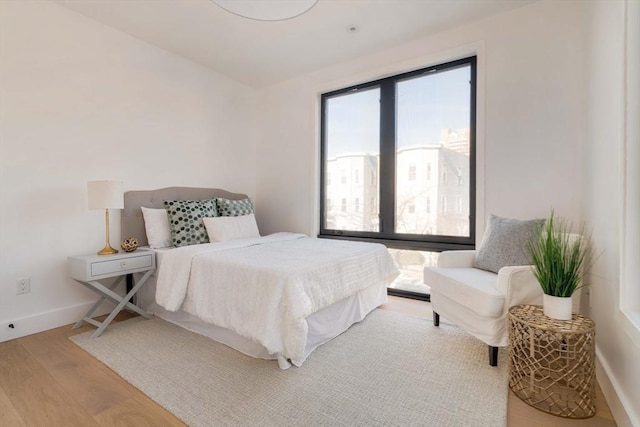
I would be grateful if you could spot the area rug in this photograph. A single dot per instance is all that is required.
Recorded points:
(388, 370)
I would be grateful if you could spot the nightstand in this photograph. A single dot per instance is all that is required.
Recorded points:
(90, 269)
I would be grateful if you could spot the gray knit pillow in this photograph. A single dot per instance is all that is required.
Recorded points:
(505, 243)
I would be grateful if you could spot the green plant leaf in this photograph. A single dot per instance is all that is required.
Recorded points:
(558, 257)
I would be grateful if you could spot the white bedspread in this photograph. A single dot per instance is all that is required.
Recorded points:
(263, 288)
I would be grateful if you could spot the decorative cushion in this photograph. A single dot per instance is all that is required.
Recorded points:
(185, 219)
(228, 207)
(505, 243)
(156, 224)
(223, 228)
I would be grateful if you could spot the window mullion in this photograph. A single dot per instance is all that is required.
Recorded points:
(387, 156)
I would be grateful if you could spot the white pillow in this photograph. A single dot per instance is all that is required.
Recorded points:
(223, 228)
(156, 224)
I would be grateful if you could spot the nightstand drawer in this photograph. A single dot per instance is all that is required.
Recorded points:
(96, 267)
(121, 265)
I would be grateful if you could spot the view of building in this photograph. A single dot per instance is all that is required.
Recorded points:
(432, 188)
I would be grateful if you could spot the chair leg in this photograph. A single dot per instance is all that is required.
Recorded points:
(493, 356)
(436, 319)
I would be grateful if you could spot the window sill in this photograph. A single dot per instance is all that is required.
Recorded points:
(404, 244)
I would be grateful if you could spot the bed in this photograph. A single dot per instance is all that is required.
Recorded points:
(273, 297)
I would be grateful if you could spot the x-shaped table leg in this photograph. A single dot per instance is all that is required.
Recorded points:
(121, 302)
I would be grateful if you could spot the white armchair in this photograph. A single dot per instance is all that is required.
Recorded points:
(477, 300)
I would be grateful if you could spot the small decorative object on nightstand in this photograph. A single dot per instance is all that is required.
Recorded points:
(90, 269)
(552, 361)
(129, 244)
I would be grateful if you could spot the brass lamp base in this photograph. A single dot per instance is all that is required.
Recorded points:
(108, 250)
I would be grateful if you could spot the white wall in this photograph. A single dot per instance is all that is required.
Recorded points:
(609, 92)
(82, 101)
(531, 120)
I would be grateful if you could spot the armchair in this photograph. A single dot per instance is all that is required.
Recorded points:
(477, 300)
(475, 289)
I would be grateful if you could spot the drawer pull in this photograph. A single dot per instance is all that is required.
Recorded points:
(123, 265)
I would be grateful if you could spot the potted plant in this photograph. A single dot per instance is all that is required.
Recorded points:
(558, 259)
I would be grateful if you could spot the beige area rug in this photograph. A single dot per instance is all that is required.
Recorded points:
(389, 370)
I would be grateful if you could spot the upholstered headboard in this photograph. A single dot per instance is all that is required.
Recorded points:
(132, 221)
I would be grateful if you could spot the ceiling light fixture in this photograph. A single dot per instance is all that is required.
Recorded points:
(267, 10)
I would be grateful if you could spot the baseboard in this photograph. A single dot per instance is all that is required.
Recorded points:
(49, 320)
(622, 409)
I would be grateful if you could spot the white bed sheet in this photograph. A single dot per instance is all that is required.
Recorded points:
(321, 325)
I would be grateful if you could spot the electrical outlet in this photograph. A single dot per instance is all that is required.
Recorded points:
(23, 286)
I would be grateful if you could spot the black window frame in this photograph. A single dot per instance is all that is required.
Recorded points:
(386, 235)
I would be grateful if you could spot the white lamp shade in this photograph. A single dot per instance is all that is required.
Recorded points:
(105, 194)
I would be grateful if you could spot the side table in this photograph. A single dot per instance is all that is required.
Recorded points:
(90, 269)
(552, 362)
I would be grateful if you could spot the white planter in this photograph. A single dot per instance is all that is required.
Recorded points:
(557, 307)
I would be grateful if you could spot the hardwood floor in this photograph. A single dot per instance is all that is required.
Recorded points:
(46, 380)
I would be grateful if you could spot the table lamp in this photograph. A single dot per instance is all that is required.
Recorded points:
(106, 195)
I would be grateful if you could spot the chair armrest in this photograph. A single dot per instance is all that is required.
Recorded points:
(519, 286)
(456, 259)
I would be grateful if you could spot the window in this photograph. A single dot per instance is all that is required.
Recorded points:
(344, 205)
(412, 172)
(404, 132)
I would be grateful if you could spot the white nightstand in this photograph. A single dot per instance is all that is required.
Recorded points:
(89, 269)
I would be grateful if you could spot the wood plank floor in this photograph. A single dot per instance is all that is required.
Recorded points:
(46, 380)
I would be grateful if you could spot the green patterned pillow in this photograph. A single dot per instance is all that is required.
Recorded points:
(228, 207)
(185, 219)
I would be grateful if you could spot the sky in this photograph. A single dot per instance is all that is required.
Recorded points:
(425, 105)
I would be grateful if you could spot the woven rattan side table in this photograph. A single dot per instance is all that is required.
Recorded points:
(552, 362)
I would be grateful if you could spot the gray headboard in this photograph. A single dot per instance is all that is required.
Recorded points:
(132, 221)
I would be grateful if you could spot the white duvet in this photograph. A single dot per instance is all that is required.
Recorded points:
(264, 288)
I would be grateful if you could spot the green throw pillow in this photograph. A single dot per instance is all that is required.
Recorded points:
(227, 207)
(185, 219)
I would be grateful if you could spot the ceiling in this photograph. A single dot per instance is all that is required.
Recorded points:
(260, 53)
